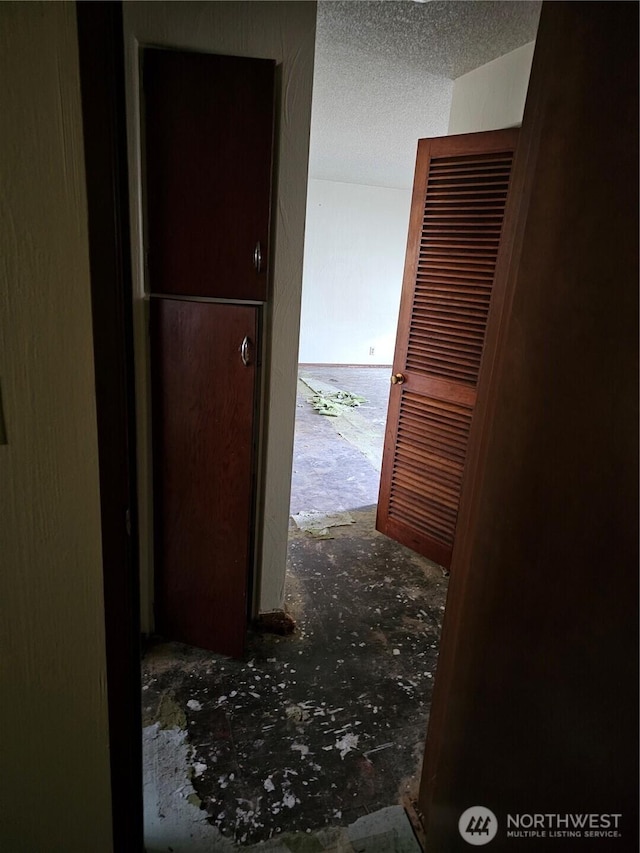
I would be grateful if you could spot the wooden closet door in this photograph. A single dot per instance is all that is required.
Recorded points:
(204, 378)
(208, 135)
(459, 196)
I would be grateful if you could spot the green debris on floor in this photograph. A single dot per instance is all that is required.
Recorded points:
(318, 523)
(194, 800)
(333, 403)
(167, 713)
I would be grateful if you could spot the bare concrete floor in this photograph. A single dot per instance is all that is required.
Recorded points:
(319, 732)
(337, 460)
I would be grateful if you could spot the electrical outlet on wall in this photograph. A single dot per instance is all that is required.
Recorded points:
(372, 350)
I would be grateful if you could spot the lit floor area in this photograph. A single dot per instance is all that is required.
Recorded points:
(314, 740)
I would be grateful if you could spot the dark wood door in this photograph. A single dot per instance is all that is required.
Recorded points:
(459, 196)
(208, 141)
(535, 703)
(204, 377)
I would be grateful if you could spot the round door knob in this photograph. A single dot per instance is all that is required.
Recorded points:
(397, 379)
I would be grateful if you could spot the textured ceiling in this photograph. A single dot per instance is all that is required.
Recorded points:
(384, 77)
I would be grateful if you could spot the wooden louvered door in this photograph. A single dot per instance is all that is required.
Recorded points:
(459, 196)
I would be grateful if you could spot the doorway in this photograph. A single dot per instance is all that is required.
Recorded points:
(226, 785)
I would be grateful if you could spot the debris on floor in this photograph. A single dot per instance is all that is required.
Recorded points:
(313, 730)
(173, 817)
(314, 741)
(337, 460)
(333, 403)
(176, 823)
(318, 523)
(275, 622)
(167, 714)
(385, 831)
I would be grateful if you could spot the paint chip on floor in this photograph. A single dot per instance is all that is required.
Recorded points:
(347, 744)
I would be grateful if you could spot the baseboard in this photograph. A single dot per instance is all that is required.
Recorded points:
(327, 364)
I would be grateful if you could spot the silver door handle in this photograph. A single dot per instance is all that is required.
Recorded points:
(257, 257)
(244, 351)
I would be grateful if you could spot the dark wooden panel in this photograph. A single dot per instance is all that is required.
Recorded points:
(203, 406)
(208, 140)
(459, 198)
(101, 52)
(535, 706)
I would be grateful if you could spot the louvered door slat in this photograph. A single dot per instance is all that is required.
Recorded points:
(476, 265)
(459, 298)
(461, 189)
(473, 168)
(445, 273)
(459, 199)
(471, 236)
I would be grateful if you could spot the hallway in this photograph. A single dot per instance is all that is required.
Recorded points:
(314, 730)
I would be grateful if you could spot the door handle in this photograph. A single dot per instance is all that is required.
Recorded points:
(245, 353)
(257, 257)
(398, 379)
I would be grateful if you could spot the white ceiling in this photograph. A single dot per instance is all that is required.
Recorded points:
(384, 76)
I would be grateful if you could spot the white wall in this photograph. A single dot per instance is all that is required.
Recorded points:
(353, 264)
(284, 31)
(53, 713)
(492, 96)
(356, 234)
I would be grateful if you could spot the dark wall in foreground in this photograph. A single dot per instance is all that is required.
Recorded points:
(535, 709)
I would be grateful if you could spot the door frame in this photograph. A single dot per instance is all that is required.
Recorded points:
(101, 63)
(101, 55)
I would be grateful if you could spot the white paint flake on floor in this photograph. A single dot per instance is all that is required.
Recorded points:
(347, 744)
(172, 820)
